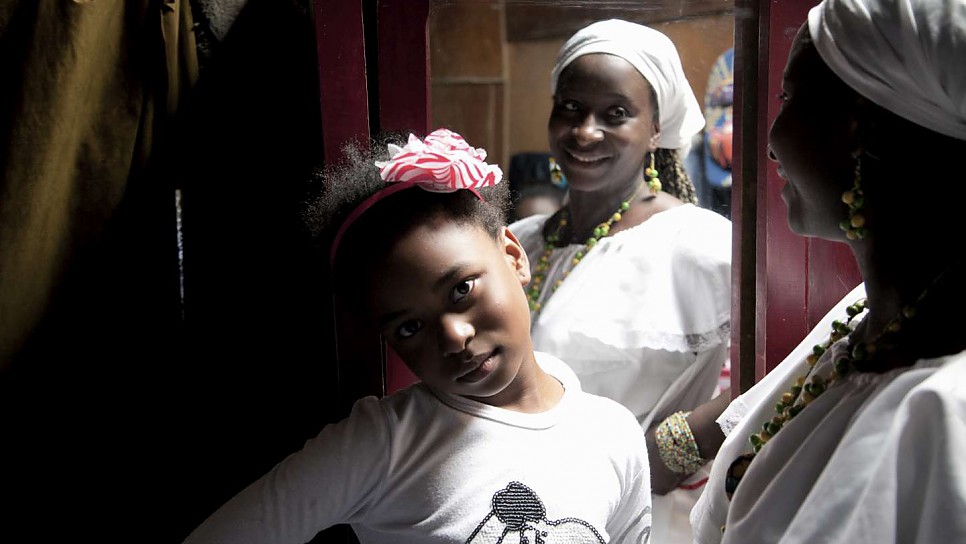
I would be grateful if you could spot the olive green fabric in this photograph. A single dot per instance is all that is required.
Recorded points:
(87, 89)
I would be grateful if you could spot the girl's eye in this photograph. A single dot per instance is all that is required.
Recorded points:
(782, 97)
(462, 289)
(409, 328)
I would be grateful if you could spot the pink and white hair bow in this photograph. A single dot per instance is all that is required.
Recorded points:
(442, 163)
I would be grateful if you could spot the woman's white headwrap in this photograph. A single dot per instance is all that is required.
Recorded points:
(908, 56)
(654, 56)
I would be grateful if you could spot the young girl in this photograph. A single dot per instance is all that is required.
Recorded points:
(497, 443)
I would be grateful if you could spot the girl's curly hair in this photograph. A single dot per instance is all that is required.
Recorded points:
(338, 190)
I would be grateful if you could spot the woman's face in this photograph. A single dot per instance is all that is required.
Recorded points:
(603, 123)
(812, 140)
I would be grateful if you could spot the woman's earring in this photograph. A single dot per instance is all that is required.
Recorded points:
(650, 174)
(556, 174)
(854, 198)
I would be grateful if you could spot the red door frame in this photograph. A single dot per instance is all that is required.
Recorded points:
(783, 284)
(400, 71)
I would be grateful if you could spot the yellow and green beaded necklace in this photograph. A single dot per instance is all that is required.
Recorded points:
(543, 263)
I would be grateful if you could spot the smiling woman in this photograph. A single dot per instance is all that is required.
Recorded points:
(632, 280)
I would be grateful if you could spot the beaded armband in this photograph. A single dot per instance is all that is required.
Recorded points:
(676, 445)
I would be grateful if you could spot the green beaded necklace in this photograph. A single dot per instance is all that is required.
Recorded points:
(543, 263)
(806, 390)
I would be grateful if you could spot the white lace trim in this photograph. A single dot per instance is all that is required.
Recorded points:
(682, 343)
(732, 416)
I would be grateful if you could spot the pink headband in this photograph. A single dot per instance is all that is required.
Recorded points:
(441, 163)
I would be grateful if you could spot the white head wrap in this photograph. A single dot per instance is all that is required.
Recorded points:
(908, 56)
(654, 56)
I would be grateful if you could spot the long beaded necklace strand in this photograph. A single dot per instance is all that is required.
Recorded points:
(543, 263)
(806, 390)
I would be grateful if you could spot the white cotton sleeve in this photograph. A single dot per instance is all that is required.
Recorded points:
(329, 481)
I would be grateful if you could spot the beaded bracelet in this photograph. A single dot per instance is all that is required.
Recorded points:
(676, 445)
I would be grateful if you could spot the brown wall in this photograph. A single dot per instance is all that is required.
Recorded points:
(467, 68)
(497, 93)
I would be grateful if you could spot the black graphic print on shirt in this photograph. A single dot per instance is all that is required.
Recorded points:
(518, 516)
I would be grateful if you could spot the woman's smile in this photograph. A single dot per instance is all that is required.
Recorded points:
(586, 159)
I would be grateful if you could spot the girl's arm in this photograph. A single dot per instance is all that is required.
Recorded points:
(329, 481)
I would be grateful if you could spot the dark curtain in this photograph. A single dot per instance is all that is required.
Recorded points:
(148, 370)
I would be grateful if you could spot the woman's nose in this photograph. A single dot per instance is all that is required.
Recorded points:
(588, 130)
(455, 334)
(771, 155)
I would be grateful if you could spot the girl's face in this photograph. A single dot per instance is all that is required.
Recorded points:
(812, 140)
(449, 300)
(602, 123)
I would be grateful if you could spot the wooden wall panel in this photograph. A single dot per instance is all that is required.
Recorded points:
(549, 19)
(529, 95)
(475, 111)
(466, 39)
(468, 67)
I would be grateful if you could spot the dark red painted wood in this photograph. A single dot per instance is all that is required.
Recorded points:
(342, 74)
(343, 93)
(404, 65)
(782, 264)
(404, 100)
(798, 279)
(783, 284)
(366, 367)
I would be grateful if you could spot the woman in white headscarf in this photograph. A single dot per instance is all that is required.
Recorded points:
(859, 436)
(632, 280)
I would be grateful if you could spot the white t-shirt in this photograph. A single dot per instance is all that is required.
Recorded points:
(420, 466)
(877, 458)
(643, 319)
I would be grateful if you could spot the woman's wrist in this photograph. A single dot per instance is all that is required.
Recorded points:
(676, 445)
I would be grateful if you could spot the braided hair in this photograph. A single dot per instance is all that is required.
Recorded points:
(674, 179)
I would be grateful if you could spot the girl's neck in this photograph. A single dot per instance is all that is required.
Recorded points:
(532, 392)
